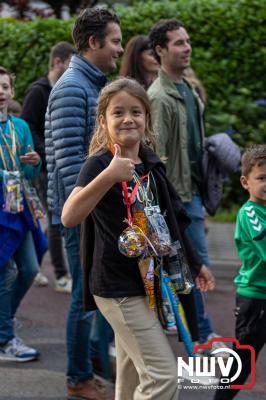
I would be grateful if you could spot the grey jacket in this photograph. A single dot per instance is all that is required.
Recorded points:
(221, 158)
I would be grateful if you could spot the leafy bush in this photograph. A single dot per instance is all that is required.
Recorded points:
(225, 215)
(25, 47)
(229, 56)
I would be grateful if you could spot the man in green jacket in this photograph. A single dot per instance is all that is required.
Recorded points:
(177, 114)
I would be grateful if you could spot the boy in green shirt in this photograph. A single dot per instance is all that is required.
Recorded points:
(250, 241)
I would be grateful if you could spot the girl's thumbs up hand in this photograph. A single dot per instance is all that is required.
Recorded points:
(121, 169)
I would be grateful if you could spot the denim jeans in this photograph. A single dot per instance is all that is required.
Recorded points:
(196, 232)
(15, 280)
(101, 336)
(79, 322)
(55, 242)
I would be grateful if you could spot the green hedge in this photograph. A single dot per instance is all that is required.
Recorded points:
(25, 47)
(229, 56)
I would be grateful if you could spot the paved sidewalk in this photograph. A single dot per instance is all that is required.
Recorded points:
(43, 314)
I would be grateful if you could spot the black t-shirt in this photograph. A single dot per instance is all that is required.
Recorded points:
(112, 273)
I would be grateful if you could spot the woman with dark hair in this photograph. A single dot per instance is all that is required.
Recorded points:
(138, 61)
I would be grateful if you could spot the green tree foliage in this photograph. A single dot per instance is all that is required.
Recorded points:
(25, 47)
(229, 56)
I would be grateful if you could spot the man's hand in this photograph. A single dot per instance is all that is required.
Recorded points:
(205, 280)
(31, 157)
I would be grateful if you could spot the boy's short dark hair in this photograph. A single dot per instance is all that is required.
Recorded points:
(12, 77)
(92, 22)
(158, 34)
(62, 50)
(254, 155)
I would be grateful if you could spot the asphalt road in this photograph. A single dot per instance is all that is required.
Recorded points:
(42, 319)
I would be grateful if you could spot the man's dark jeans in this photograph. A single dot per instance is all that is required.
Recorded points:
(55, 241)
(79, 322)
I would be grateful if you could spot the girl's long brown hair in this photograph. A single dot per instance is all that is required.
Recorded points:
(100, 139)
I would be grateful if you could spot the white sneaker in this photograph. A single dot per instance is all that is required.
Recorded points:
(63, 284)
(215, 345)
(40, 280)
(16, 350)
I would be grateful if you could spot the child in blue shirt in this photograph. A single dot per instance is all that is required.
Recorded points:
(18, 257)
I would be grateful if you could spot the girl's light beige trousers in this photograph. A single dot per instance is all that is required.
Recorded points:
(146, 366)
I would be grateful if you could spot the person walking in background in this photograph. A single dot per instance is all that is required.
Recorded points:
(122, 166)
(69, 125)
(250, 241)
(177, 115)
(22, 243)
(34, 109)
(138, 61)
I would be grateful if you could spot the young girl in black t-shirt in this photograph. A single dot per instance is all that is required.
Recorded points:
(108, 198)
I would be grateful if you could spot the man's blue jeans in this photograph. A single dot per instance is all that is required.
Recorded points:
(196, 232)
(79, 322)
(15, 280)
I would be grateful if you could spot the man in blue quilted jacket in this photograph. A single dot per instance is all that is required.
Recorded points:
(69, 124)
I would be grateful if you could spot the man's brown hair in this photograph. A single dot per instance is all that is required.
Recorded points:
(62, 50)
(254, 155)
(158, 34)
(92, 22)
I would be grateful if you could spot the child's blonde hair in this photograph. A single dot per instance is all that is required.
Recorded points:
(100, 139)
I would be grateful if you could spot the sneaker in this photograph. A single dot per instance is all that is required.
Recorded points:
(215, 345)
(63, 284)
(16, 350)
(40, 280)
